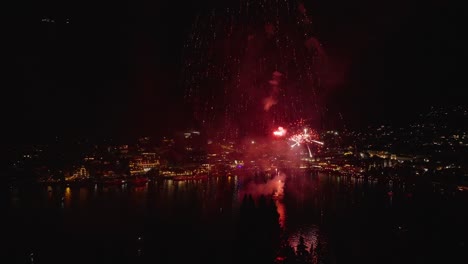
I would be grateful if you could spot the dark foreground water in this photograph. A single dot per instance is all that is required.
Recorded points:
(209, 221)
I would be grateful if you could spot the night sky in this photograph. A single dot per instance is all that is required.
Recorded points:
(115, 67)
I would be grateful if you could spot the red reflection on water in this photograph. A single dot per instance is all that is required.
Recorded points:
(281, 209)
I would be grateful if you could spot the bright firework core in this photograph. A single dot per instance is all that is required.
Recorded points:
(280, 132)
(306, 137)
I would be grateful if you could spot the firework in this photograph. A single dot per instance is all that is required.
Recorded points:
(280, 132)
(305, 137)
(252, 66)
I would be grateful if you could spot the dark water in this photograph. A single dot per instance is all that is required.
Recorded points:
(354, 220)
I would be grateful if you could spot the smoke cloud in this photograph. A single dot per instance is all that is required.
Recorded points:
(274, 186)
(275, 82)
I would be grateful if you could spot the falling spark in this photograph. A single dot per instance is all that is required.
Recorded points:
(227, 74)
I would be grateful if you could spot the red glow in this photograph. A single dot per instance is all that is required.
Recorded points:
(280, 132)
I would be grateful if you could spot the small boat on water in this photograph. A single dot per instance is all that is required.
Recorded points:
(190, 177)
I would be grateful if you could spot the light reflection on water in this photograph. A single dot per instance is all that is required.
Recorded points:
(166, 194)
(309, 233)
(280, 208)
(68, 197)
(309, 206)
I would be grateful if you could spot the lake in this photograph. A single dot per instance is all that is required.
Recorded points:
(343, 219)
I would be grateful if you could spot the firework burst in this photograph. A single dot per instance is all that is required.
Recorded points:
(305, 137)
